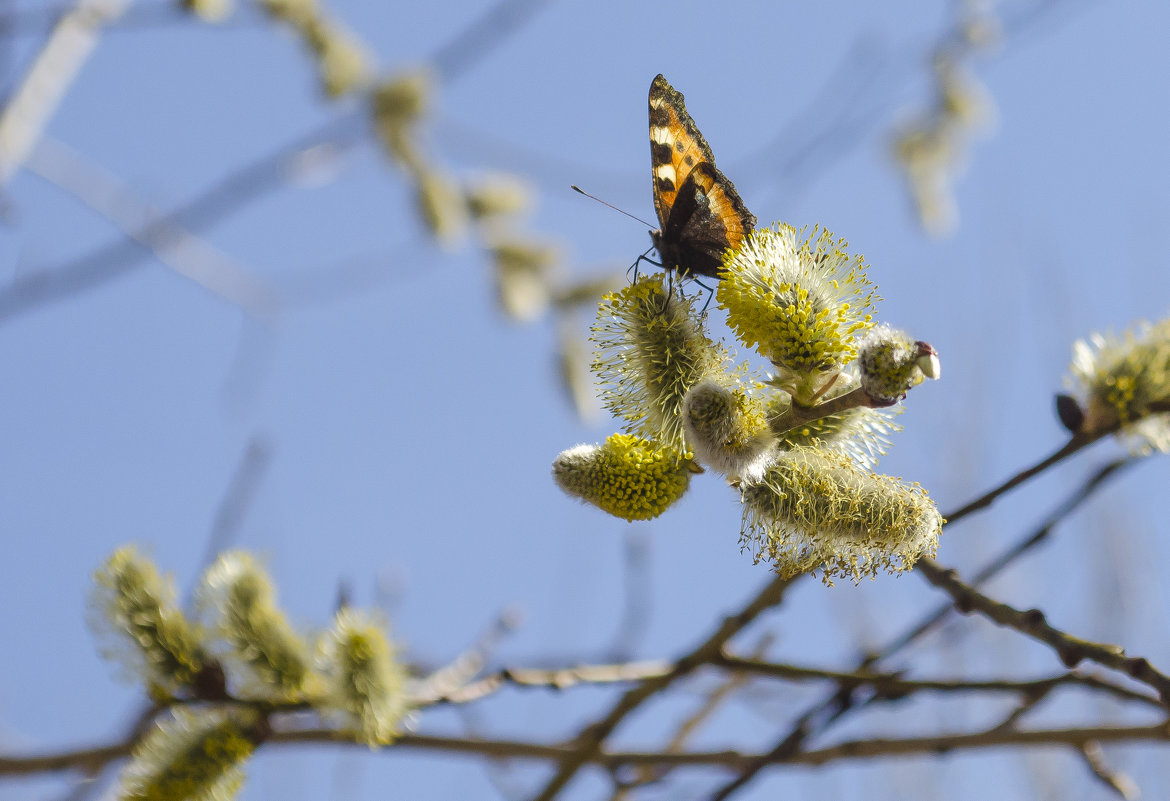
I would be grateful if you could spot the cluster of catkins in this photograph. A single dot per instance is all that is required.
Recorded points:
(223, 671)
(799, 445)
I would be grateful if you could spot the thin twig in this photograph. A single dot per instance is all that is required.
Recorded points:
(893, 685)
(1074, 444)
(236, 500)
(796, 415)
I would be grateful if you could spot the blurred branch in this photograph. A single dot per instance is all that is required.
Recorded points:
(481, 35)
(587, 746)
(225, 198)
(931, 745)
(183, 252)
(39, 20)
(556, 679)
(240, 493)
(24, 118)
(637, 599)
(1118, 783)
(450, 682)
(893, 685)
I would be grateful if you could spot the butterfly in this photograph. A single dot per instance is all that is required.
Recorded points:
(699, 212)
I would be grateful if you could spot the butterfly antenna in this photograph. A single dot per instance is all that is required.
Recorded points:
(579, 190)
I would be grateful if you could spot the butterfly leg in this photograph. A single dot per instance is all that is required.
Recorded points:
(634, 267)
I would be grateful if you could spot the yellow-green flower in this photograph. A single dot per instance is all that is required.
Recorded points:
(193, 756)
(1125, 382)
(259, 643)
(626, 476)
(367, 683)
(727, 429)
(800, 301)
(651, 349)
(148, 634)
(817, 509)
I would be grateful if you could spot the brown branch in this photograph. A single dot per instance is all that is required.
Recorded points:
(1074, 444)
(711, 704)
(556, 679)
(893, 685)
(797, 415)
(587, 745)
(870, 748)
(1032, 622)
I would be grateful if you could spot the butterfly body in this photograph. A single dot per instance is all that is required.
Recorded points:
(699, 212)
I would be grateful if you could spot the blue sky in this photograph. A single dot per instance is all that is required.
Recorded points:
(411, 426)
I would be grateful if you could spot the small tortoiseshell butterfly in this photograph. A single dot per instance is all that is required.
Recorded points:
(699, 212)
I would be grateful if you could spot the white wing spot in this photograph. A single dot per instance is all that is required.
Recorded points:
(661, 136)
(665, 171)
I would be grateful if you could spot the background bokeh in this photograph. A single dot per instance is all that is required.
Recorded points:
(406, 426)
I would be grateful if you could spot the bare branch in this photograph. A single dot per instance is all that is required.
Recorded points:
(870, 748)
(73, 38)
(184, 253)
(588, 745)
(893, 685)
(1033, 623)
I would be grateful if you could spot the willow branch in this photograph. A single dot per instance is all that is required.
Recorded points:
(871, 748)
(587, 746)
(796, 415)
(892, 685)
(556, 679)
(1075, 443)
(1032, 622)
